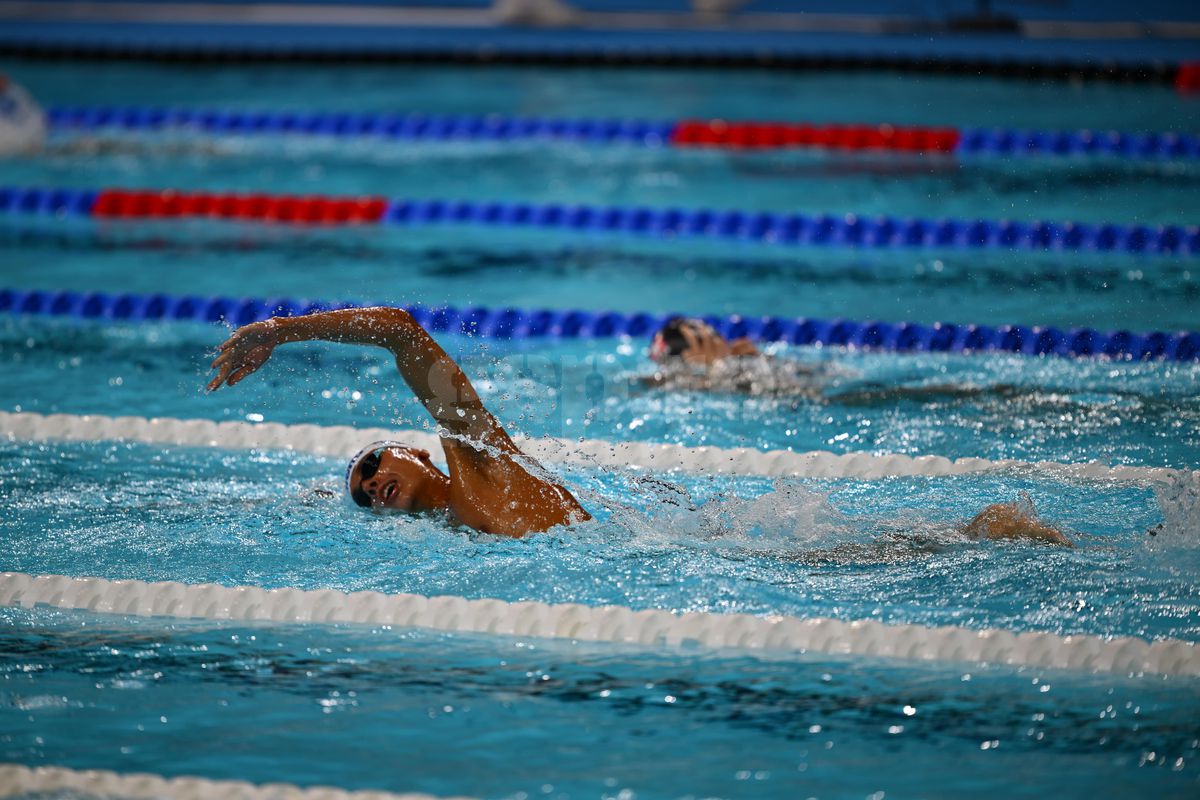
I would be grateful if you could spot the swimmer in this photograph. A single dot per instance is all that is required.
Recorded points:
(23, 128)
(692, 356)
(22, 122)
(492, 487)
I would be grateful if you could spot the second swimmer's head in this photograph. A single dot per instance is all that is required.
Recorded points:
(677, 335)
(696, 342)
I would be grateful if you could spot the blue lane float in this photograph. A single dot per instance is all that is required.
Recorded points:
(412, 126)
(784, 229)
(514, 323)
(449, 127)
(1113, 144)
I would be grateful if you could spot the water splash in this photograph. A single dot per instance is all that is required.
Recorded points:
(1179, 501)
(758, 375)
(788, 519)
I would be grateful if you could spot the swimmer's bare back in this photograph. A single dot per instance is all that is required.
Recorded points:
(494, 487)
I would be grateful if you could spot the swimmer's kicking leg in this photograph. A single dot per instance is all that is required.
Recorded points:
(1012, 521)
(1015, 520)
(492, 487)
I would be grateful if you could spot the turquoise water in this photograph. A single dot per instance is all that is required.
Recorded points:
(887, 550)
(398, 709)
(503, 718)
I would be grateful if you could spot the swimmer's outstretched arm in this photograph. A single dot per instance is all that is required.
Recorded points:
(436, 380)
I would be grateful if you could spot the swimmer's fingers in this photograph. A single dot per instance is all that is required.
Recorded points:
(240, 373)
(234, 365)
(227, 359)
(229, 375)
(222, 374)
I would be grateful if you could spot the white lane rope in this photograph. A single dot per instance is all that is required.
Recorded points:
(616, 624)
(344, 441)
(17, 780)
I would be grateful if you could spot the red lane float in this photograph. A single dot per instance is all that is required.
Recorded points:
(716, 133)
(122, 204)
(1187, 79)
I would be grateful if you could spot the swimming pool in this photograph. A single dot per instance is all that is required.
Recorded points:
(371, 707)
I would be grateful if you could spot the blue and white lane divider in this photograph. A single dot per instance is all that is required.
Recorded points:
(784, 635)
(341, 441)
(782, 229)
(712, 133)
(514, 323)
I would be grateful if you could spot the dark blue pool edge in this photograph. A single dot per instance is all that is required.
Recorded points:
(488, 49)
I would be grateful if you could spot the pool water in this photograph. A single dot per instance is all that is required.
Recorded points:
(465, 266)
(398, 709)
(888, 550)
(419, 711)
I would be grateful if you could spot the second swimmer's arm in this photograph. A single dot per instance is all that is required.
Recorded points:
(436, 380)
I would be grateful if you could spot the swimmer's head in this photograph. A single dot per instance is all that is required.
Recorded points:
(394, 476)
(680, 336)
(696, 342)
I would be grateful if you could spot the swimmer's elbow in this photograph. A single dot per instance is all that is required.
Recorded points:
(389, 319)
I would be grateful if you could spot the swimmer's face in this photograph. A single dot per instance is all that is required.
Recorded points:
(398, 479)
(693, 340)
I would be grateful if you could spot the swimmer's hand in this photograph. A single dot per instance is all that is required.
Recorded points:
(704, 346)
(244, 352)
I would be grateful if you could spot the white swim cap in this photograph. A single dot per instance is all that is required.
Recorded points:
(22, 122)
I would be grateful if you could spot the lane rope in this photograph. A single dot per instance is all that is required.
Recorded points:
(17, 780)
(513, 323)
(782, 229)
(343, 441)
(616, 624)
(691, 133)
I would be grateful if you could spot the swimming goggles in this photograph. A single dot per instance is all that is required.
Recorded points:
(369, 458)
